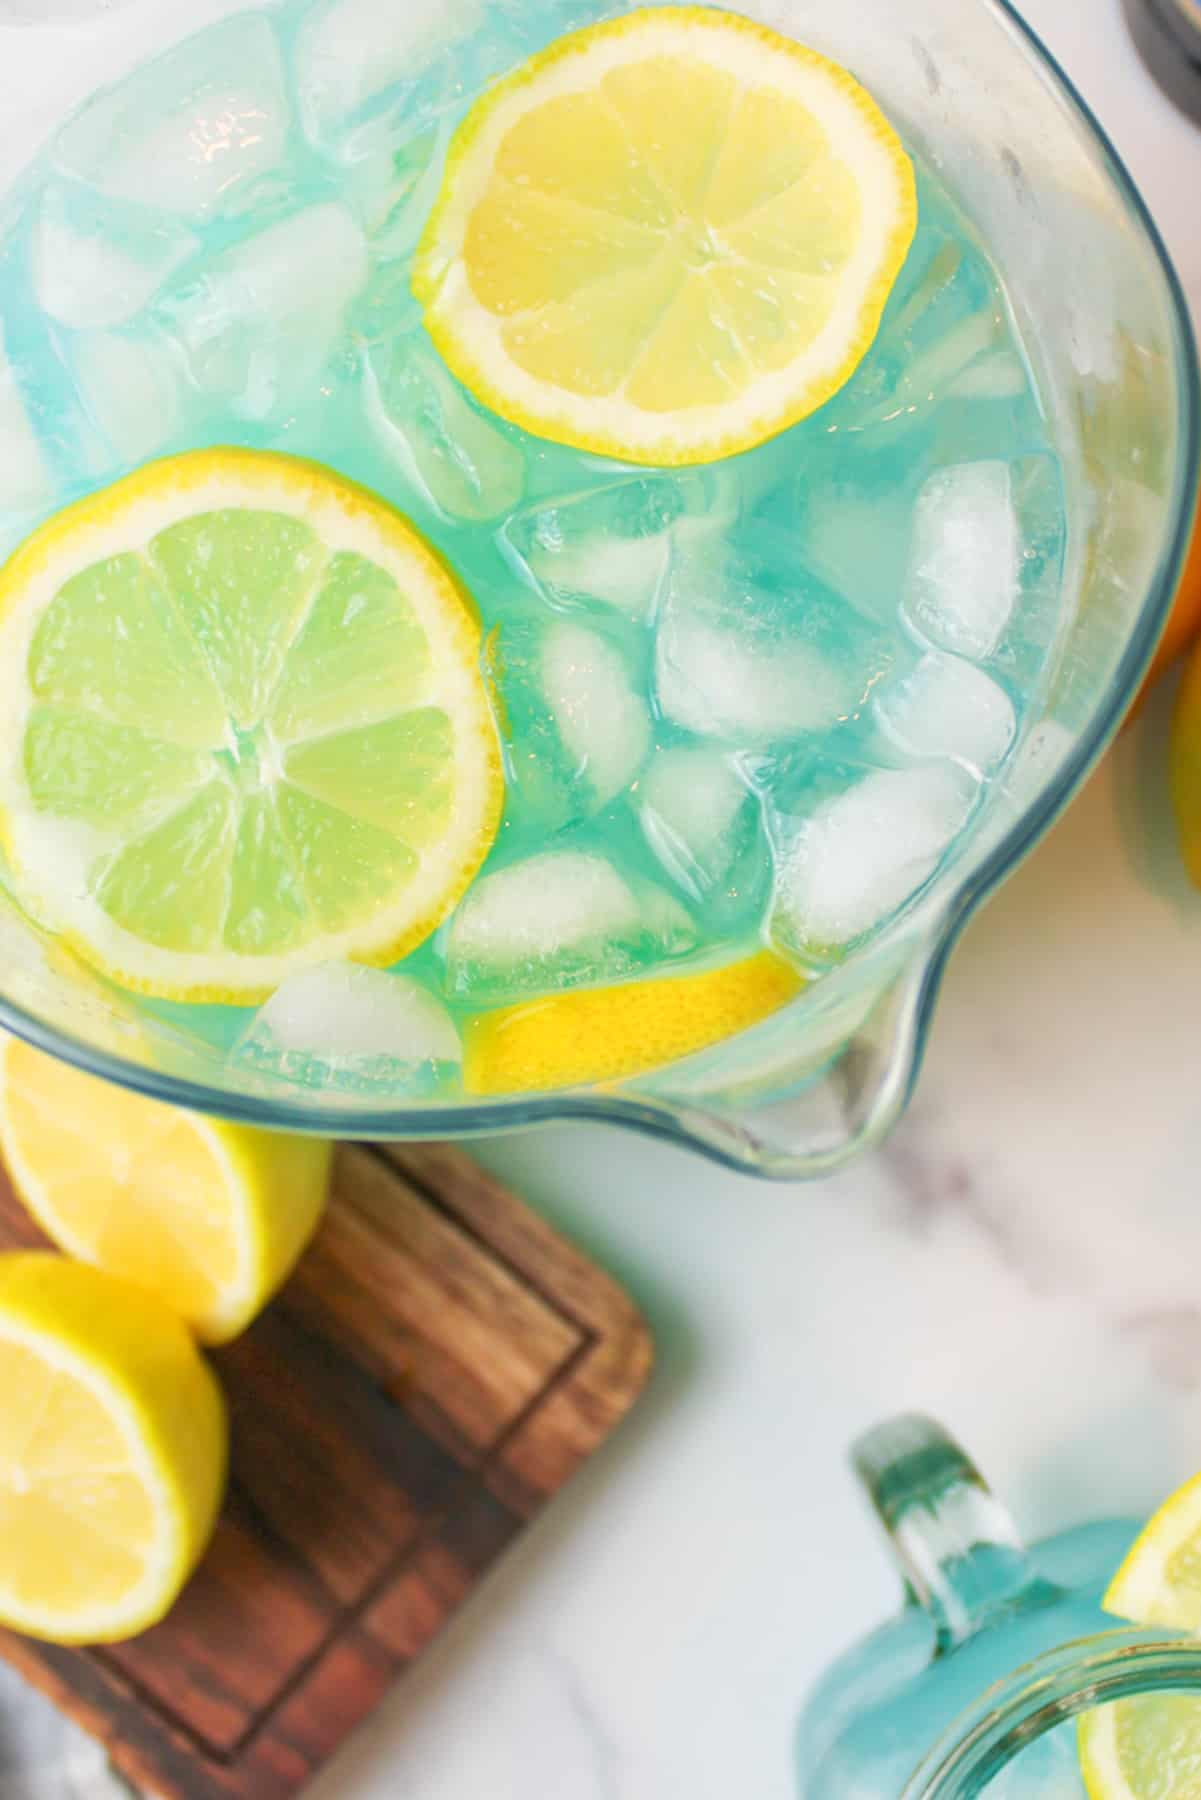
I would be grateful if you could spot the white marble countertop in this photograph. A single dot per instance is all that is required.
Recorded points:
(1024, 1260)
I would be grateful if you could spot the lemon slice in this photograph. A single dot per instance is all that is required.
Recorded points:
(112, 1452)
(209, 1216)
(1159, 1583)
(667, 237)
(242, 727)
(1145, 1748)
(608, 1033)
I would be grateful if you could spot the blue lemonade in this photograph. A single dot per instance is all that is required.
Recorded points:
(751, 703)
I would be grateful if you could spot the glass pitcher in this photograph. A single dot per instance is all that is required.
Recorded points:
(997, 1644)
(1108, 332)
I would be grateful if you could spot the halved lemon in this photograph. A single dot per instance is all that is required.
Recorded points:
(112, 1452)
(607, 1033)
(1150, 1747)
(209, 1216)
(242, 727)
(667, 237)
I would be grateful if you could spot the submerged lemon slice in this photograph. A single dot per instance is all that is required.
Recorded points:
(242, 727)
(1143, 1749)
(608, 1033)
(666, 237)
(1150, 1747)
(209, 1216)
(112, 1452)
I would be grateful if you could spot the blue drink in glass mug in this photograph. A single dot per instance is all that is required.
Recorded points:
(976, 1687)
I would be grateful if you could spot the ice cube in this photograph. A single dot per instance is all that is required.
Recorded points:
(701, 819)
(132, 387)
(603, 725)
(561, 918)
(996, 376)
(965, 558)
(463, 464)
(742, 658)
(944, 324)
(856, 538)
(860, 855)
(26, 480)
(91, 272)
(192, 132)
(611, 544)
(946, 706)
(924, 295)
(343, 1026)
(392, 176)
(969, 368)
(349, 51)
(384, 310)
(693, 795)
(258, 326)
(946, 362)
(572, 707)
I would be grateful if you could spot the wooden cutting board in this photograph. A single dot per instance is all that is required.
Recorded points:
(439, 1365)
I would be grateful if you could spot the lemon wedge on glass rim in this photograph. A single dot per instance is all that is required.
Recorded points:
(243, 727)
(1149, 1746)
(666, 237)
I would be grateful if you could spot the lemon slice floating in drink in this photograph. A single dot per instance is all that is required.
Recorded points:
(1149, 1747)
(667, 237)
(242, 727)
(112, 1452)
(209, 1216)
(607, 1033)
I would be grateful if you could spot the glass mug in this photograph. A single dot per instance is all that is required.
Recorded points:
(996, 1647)
(1108, 331)
(1019, 1742)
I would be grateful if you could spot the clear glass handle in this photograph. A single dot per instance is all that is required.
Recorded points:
(955, 1544)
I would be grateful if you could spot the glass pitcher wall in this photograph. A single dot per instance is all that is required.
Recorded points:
(1108, 336)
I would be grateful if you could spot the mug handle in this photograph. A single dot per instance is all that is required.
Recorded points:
(956, 1546)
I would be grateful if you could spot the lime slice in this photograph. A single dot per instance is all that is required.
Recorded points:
(666, 237)
(242, 727)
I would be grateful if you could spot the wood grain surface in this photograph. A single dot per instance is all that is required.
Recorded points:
(439, 1365)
